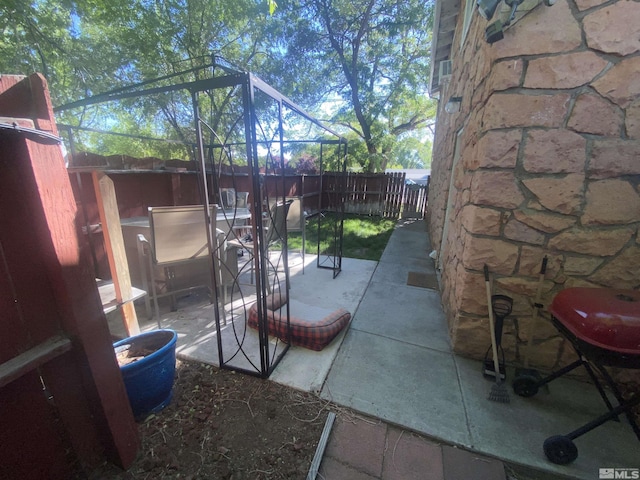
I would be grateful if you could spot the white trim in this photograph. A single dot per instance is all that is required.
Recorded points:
(469, 7)
(444, 71)
(444, 241)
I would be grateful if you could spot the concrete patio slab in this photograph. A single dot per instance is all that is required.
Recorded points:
(315, 290)
(409, 239)
(414, 317)
(415, 247)
(516, 431)
(397, 367)
(318, 287)
(306, 369)
(394, 269)
(401, 383)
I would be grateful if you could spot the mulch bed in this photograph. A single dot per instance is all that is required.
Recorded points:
(225, 425)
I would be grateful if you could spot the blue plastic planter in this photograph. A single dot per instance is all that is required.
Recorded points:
(149, 380)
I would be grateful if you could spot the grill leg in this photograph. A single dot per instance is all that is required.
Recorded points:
(621, 401)
(623, 408)
(598, 385)
(582, 361)
(596, 381)
(614, 412)
(560, 448)
(562, 371)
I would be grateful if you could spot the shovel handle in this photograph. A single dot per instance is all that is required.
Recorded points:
(543, 267)
(536, 310)
(492, 328)
(543, 271)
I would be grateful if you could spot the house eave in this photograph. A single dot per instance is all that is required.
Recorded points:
(444, 26)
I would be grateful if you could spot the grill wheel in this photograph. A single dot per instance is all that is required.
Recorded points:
(525, 385)
(560, 449)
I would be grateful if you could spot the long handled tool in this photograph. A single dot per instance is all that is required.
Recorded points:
(498, 390)
(526, 371)
(502, 307)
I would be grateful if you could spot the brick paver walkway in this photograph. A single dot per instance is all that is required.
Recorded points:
(361, 448)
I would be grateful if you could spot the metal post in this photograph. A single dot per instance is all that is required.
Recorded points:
(210, 235)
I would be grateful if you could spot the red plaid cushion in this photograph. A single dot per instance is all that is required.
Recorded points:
(313, 335)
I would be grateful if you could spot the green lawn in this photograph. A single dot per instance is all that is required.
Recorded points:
(364, 237)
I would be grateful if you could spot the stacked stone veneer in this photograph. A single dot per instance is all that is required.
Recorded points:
(549, 165)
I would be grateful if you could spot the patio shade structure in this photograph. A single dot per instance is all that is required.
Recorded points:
(233, 124)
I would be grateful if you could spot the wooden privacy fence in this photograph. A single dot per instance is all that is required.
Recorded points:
(152, 182)
(383, 194)
(414, 203)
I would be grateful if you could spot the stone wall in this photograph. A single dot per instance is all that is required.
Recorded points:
(549, 165)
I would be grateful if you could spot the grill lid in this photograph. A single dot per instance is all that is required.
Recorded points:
(607, 318)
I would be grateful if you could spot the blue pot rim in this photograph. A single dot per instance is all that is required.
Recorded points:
(149, 358)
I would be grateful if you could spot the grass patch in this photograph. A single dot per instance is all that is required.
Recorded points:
(364, 237)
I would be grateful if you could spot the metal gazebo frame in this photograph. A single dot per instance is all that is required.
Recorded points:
(264, 157)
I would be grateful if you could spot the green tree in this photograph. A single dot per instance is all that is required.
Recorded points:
(87, 47)
(371, 55)
(375, 55)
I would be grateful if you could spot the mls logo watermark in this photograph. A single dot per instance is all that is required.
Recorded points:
(624, 473)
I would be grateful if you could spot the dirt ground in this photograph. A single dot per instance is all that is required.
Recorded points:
(230, 426)
(225, 425)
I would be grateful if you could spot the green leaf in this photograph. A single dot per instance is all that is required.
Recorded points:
(368, 59)
(272, 6)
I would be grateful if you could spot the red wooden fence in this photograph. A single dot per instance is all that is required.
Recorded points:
(63, 405)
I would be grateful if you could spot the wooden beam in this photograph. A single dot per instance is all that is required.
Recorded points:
(32, 359)
(114, 243)
(447, 25)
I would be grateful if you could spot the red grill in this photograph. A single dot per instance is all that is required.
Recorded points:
(602, 318)
(603, 325)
